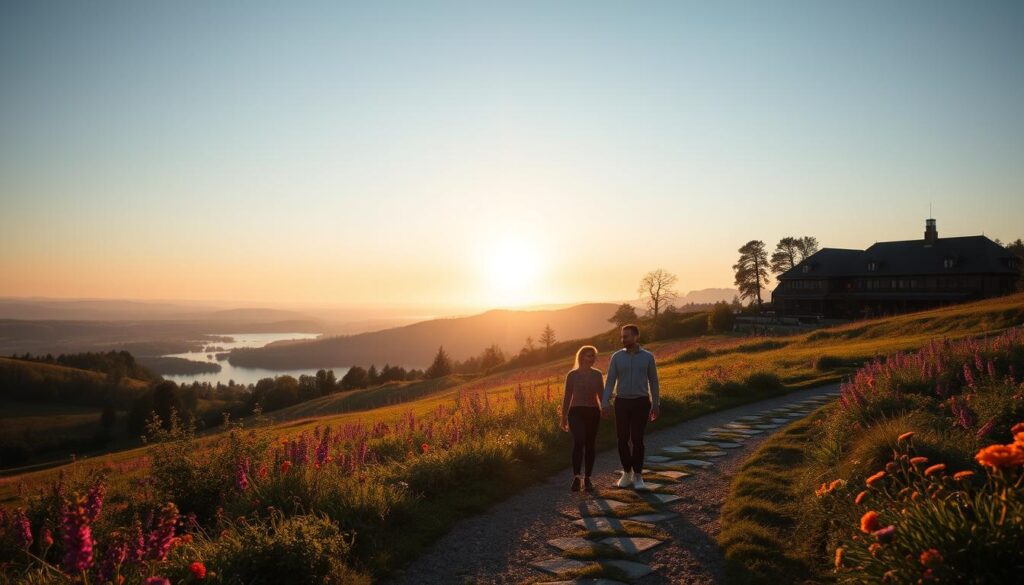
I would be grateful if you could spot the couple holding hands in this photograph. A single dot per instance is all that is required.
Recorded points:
(633, 376)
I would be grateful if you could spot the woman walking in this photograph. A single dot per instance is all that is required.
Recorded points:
(581, 413)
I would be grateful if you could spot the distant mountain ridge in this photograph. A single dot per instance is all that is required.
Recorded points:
(415, 345)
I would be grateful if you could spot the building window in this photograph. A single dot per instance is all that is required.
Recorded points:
(872, 266)
(948, 263)
(807, 268)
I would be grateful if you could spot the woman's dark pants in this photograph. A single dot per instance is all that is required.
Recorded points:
(583, 421)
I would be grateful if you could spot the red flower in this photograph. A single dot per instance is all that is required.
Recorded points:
(935, 469)
(262, 472)
(425, 448)
(285, 466)
(860, 497)
(905, 436)
(198, 570)
(875, 478)
(931, 558)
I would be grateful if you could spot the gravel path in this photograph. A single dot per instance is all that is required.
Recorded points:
(498, 547)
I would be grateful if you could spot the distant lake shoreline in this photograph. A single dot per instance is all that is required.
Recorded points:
(241, 374)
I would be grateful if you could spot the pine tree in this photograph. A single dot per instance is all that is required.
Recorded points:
(752, 270)
(547, 337)
(442, 365)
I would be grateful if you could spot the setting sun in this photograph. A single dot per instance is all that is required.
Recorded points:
(513, 271)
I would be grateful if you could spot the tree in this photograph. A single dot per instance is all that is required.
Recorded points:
(626, 313)
(786, 255)
(1017, 248)
(442, 365)
(166, 402)
(736, 304)
(657, 289)
(371, 375)
(721, 317)
(547, 337)
(326, 382)
(491, 357)
(752, 271)
(808, 246)
(354, 378)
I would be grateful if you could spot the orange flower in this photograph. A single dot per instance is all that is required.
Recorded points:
(839, 557)
(821, 491)
(860, 497)
(915, 496)
(875, 478)
(869, 522)
(285, 466)
(836, 483)
(938, 467)
(198, 570)
(425, 448)
(904, 436)
(918, 460)
(962, 475)
(1018, 438)
(931, 558)
(1001, 455)
(874, 548)
(1017, 428)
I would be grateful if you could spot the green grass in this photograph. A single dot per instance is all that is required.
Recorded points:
(760, 536)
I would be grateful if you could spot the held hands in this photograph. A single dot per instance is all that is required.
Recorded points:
(606, 411)
(564, 424)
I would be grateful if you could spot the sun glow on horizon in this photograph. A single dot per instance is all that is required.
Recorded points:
(512, 271)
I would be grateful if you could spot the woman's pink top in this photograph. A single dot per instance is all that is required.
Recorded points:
(583, 388)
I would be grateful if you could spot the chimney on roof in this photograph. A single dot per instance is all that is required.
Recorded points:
(930, 232)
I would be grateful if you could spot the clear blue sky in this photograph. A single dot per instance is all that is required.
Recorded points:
(366, 152)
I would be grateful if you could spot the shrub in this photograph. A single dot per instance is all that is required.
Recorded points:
(721, 318)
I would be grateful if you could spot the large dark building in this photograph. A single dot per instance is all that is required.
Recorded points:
(895, 277)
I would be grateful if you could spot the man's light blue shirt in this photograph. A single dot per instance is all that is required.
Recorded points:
(635, 374)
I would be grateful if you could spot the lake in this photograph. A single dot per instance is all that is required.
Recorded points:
(243, 375)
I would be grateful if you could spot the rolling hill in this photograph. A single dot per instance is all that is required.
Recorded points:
(415, 345)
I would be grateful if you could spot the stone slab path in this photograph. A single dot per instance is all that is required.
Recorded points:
(665, 534)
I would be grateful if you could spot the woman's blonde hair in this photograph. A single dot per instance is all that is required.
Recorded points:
(580, 351)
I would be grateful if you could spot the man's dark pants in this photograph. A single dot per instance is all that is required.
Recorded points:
(631, 415)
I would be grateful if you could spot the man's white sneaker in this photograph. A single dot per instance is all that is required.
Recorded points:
(638, 483)
(626, 480)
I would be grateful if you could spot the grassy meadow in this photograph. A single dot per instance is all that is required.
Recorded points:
(915, 475)
(380, 473)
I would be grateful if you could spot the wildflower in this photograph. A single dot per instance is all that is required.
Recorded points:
(875, 478)
(22, 530)
(904, 436)
(869, 522)
(1017, 428)
(285, 466)
(918, 460)
(1001, 455)
(874, 549)
(155, 580)
(262, 472)
(885, 535)
(938, 467)
(186, 538)
(242, 475)
(836, 483)
(198, 570)
(915, 496)
(962, 475)
(47, 538)
(161, 536)
(840, 552)
(77, 537)
(931, 558)
(425, 448)
(860, 497)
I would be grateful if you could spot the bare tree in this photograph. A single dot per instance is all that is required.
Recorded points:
(752, 270)
(657, 289)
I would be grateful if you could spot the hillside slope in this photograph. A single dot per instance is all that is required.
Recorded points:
(414, 345)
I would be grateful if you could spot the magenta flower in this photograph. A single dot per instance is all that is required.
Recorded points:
(94, 501)
(22, 530)
(242, 474)
(77, 537)
(155, 580)
(161, 535)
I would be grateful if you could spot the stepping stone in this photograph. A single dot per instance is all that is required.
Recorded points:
(711, 454)
(631, 569)
(571, 542)
(631, 544)
(657, 458)
(781, 421)
(767, 427)
(748, 432)
(727, 445)
(597, 523)
(675, 449)
(663, 498)
(735, 426)
(696, 463)
(693, 443)
(558, 565)
(653, 518)
(596, 507)
(749, 418)
(671, 474)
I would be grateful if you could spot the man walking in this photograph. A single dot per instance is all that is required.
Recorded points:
(633, 371)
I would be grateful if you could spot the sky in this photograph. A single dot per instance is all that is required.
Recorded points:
(488, 154)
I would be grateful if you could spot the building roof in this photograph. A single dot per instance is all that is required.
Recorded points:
(968, 255)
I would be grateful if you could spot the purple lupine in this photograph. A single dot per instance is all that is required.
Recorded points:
(22, 529)
(77, 536)
(115, 556)
(94, 501)
(161, 535)
(968, 376)
(137, 542)
(322, 448)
